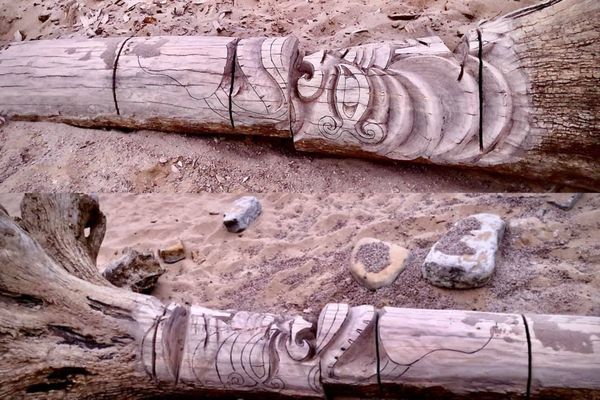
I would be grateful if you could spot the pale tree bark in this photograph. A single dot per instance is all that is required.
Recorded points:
(519, 96)
(65, 337)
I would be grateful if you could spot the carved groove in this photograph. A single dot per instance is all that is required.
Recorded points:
(350, 345)
(524, 101)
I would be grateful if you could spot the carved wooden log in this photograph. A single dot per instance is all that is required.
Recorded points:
(201, 84)
(520, 95)
(65, 337)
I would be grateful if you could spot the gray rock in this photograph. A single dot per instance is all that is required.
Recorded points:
(243, 212)
(565, 202)
(465, 257)
(134, 270)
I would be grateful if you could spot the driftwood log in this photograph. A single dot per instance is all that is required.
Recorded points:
(521, 94)
(64, 334)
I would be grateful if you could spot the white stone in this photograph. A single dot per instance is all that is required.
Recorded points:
(474, 264)
(243, 212)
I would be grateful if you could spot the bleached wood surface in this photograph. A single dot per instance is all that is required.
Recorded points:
(66, 334)
(537, 115)
(183, 84)
(463, 352)
(564, 347)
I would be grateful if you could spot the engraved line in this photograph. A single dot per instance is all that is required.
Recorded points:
(480, 55)
(154, 343)
(409, 365)
(170, 77)
(114, 74)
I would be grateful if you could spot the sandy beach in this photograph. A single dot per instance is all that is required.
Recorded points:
(295, 257)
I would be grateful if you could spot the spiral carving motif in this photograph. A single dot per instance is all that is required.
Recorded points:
(369, 133)
(330, 127)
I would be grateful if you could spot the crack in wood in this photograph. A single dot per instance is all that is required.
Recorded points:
(529, 358)
(71, 337)
(58, 379)
(21, 299)
(233, 68)
(480, 87)
(110, 309)
(114, 74)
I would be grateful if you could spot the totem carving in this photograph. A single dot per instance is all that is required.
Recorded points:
(403, 100)
(406, 100)
(378, 352)
(237, 83)
(260, 351)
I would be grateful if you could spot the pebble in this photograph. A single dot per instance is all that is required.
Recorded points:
(465, 257)
(173, 253)
(138, 271)
(567, 203)
(375, 263)
(242, 213)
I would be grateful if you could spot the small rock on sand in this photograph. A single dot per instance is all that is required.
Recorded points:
(135, 270)
(566, 203)
(465, 257)
(243, 212)
(376, 263)
(173, 253)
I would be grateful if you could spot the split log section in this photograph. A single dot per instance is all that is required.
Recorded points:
(64, 334)
(520, 95)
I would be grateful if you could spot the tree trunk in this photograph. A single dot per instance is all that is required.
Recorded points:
(65, 337)
(519, 96)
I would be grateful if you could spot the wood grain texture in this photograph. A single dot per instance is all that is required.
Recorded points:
(184, 84)
(63, 335)
(465, 353)
(564, 347)
(536, 115)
